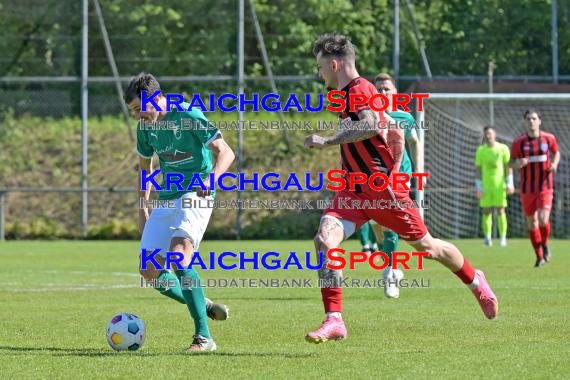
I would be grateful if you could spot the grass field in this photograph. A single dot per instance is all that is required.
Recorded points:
(57, 297)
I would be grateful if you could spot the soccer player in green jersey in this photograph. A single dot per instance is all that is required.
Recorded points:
(187, 151)
(386, 85)
(494, 179)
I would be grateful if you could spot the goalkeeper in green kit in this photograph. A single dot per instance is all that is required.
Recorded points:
(494, 179)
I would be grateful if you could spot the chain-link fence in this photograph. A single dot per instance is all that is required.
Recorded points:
(192, 48)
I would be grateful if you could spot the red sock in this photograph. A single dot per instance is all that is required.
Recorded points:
(536, 242)
(332, 299)
(466, 273)
(544, 233)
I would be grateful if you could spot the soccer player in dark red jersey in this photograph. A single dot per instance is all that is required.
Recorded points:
(372, 150)
(537, 156)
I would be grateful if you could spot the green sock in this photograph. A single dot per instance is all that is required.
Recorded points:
(195, 300)
(173, 292)
(390, 244)
(502, 222)
(363, 233)
(487, 222)
(372, 236)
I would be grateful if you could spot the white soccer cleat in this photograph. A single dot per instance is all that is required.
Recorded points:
(391, 289)
(217, 311)
(504, 241)
(488, 242)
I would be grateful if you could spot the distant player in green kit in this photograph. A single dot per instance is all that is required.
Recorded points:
(494, 180)
(367, 238)
(188, 152)
(386, 85)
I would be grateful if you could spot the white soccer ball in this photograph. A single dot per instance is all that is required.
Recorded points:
(125, 332)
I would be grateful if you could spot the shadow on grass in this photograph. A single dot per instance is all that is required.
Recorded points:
(93, 352)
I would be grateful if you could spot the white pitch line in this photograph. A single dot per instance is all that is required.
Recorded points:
(71, 289)
(129, 274)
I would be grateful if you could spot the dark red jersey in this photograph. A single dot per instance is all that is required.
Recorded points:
(534, 177)
(367, 156)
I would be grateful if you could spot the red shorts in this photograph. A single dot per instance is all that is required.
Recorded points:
(533, 201)
(406, 222)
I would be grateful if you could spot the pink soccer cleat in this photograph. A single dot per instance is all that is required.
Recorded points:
(485, 296)
(331, 329)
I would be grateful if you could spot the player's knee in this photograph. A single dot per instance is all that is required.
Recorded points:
(501, 211)
(148, 274)
(532, 224)
(543, 217)
(322, 241)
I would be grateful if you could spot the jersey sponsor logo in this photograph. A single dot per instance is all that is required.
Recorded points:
(178, 155)
(541, 158)
(165, 149)
(544, 147)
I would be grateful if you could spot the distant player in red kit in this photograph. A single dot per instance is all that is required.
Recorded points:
(368, 151)
(536, 154)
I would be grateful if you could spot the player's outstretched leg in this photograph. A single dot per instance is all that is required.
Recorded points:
(194, 296)
(215, 311)
(450, 256)
(330, 235)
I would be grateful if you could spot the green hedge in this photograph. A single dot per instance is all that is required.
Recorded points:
(46, 152)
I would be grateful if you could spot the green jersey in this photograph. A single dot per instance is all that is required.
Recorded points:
(492, 162)
(407, 120)
(180, 149)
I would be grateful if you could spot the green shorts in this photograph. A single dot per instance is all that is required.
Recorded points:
(496, 198)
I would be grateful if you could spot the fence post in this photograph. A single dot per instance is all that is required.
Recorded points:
(2, 228)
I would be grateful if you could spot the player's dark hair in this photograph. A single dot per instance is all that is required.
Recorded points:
(333, 45)
(485, 129)
(384, 76)
(532, 110)
(143, 81)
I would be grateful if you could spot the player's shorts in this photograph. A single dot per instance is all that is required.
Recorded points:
(165, 224)
(406, 222)
(531, 202)
(496, 198)
(409, 184)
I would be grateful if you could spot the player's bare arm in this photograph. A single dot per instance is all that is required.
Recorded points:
(517, 163)
(478, 185)
(509, 179)
(555, 162)
(416, 153)
(348, 135)
(224, 156)
(144, 164)
(396, 142)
